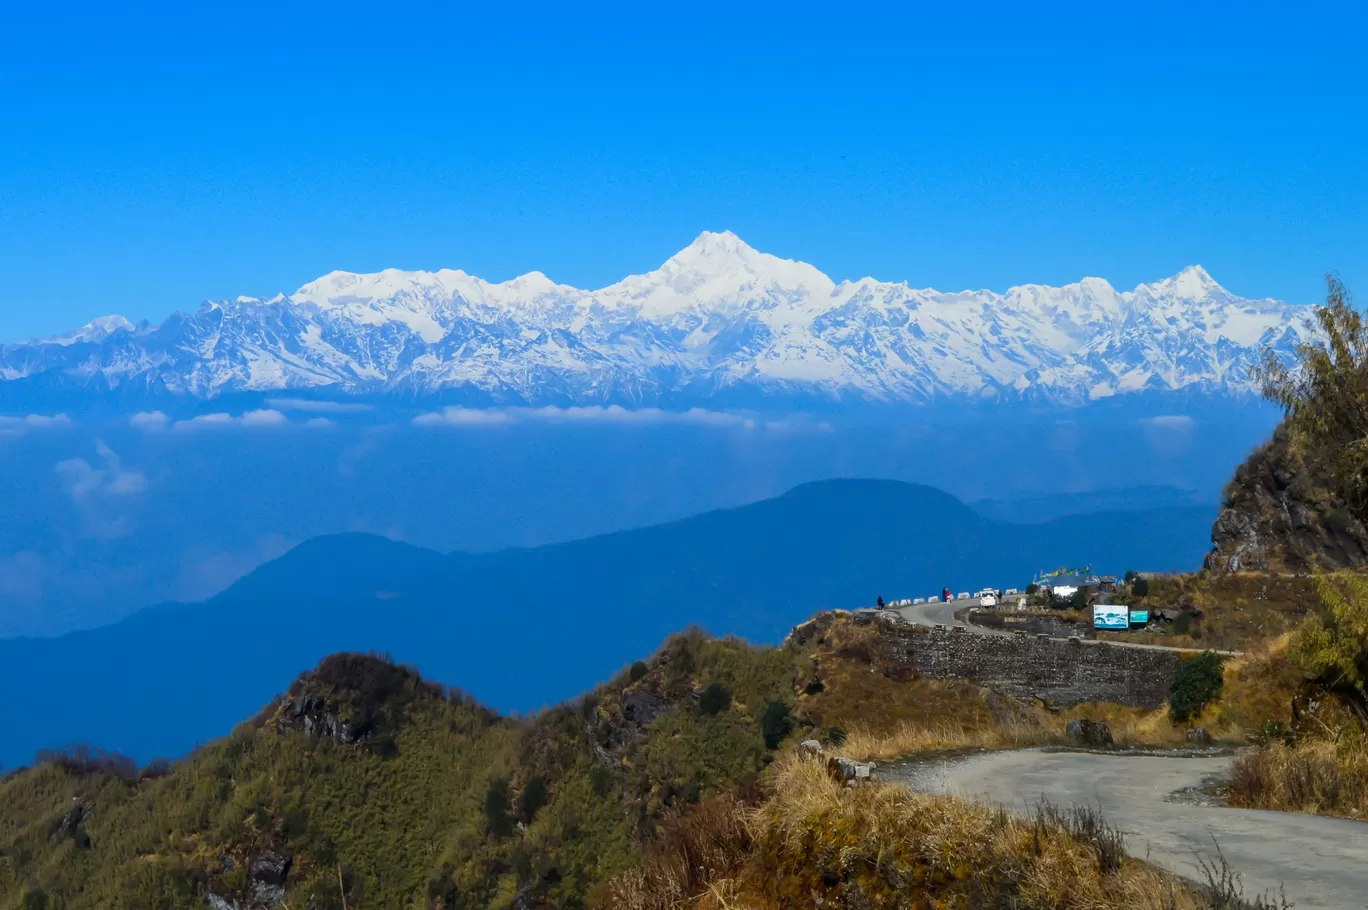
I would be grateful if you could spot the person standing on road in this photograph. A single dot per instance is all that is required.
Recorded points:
(945, 595)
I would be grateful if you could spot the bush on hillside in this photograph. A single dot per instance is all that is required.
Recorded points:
(1140, 587)
(497, 808)
(714, 699)
(1183, 624)
(775, 723)
(1332, 648)
(637, 672)
(1196, 683)
(532, 798)
(84, 759)
(1322, 393)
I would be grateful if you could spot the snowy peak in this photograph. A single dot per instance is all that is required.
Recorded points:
(717, 269)
(1192, 283)
(94, 331)
(718, 324)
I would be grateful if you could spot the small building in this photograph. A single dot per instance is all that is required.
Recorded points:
(1089, 584)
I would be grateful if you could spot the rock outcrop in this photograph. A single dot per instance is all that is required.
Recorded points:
(1090, 734)
(1279, 515)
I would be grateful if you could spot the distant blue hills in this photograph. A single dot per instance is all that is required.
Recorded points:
(524, 628)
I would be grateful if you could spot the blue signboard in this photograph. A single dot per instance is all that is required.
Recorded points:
(1139, 617)
(1111, 616)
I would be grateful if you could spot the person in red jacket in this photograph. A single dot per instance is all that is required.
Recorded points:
(945, 594)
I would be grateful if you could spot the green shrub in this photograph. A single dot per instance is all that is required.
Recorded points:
(1140, 587)
(496, 805)
(533, 797)
(1032, 588)
(1183, 624)
(775, 723)
(34, 900)
(714, 699)
(835, 736)
(1197, 682)
(637, 672)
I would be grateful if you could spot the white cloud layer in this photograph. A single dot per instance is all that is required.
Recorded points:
(614, 414)
(14, 425)
(309, 406)
(251, 419)
(149, 420)
(83, 480)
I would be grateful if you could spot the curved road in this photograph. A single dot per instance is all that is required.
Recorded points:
(1153, 799)
(940, 613)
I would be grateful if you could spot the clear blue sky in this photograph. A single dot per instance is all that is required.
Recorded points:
(154, 157)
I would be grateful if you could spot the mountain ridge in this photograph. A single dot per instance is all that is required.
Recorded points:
(481, 621)
(717, 321)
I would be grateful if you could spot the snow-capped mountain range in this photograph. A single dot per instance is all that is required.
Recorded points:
(718, 323)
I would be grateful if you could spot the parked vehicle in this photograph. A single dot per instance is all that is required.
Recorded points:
(988, 600)
(963, 595)
(1011, 591)
(916, 601)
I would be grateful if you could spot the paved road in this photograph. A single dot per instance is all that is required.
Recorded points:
(941, 613)
(1319, 862)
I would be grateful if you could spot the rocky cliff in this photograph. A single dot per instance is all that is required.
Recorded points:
(1279, 514)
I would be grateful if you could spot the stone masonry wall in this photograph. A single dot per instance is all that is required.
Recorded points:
(1058, 671)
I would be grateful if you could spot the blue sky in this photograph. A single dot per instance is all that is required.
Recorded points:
(155, 157)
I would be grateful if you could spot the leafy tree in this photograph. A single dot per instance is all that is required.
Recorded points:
(497, 814)
(1078, 600)
(1197, 682)
(637, 671)
(1332, 648)
(1130, 576)
(1032, 588)
(1324, 394)
(714, 699)
(1140, 586)
(532, 798)
(775, 723)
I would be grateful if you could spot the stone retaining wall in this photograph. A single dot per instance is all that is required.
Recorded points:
(1055, 670)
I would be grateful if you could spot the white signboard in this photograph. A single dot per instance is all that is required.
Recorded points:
(1111, 616)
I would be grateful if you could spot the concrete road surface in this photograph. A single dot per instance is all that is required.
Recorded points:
(939, 613)
(1156, 801)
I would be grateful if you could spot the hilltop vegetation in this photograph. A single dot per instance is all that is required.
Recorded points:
(365, 785)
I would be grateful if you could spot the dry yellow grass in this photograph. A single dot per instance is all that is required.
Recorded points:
(1316, 776)
(914, 739)
(816, 842)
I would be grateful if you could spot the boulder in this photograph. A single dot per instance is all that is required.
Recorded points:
(849, 770)
(810, 748)
(1199, 736)
(640, 708)
(1091, 734)
(266, 875)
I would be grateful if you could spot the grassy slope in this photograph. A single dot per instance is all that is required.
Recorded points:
(401, 820)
